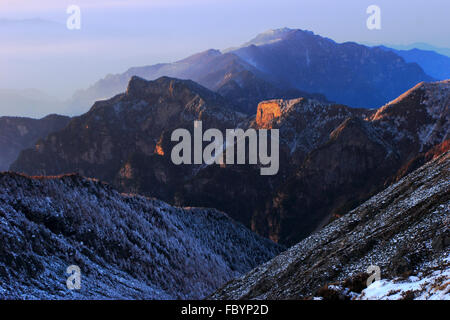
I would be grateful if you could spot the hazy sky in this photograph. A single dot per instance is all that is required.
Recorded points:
(118, 34)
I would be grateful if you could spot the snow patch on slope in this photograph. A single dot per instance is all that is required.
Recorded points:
(434, 285)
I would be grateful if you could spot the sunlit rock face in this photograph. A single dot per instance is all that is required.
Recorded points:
(159, 150)
(268, 111)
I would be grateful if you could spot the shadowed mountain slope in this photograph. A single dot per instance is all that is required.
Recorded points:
(404, 230)
(17, 134)
(98, 143)
(127, 247)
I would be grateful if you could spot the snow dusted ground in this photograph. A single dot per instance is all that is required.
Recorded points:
(430, 282)
(433, 284)
(127, 246)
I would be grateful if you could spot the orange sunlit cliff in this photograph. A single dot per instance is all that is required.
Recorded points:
(266, 112)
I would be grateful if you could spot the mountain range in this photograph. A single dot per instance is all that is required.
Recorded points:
(434, 64)
(280, 63)
(332, 157)
(283, 63)
(133, 247)
(363, 180)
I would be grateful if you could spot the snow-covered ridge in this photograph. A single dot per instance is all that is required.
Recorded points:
(127, 246)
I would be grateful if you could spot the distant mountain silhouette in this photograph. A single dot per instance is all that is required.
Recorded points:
(17, 134)
(282, 63)
(347, 73)
(421, 46)
(225, 73)
(434, 64)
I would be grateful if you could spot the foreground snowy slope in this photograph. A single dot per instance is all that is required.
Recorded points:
(433, 283)
(403, 230)
(126, 246)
